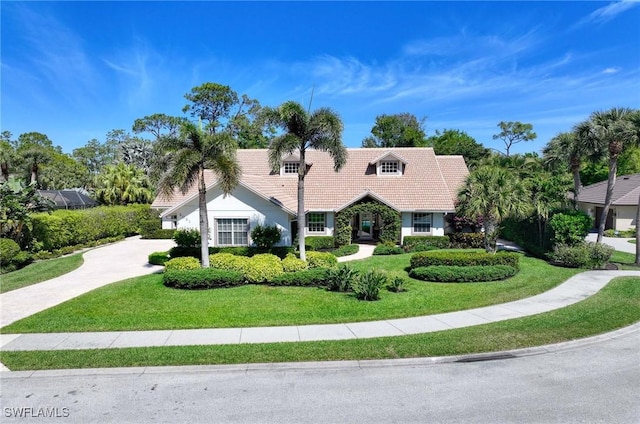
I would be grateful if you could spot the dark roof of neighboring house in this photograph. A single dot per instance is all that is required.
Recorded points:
(68, 199)
(429, 182)
(625, 191)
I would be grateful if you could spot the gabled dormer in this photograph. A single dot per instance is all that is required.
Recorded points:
(290, 165)
(390, 164)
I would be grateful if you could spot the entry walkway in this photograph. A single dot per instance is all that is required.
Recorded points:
(128, 259)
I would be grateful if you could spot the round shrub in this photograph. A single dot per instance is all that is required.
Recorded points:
(203, 278)
(228, 261)
(182, 264)
(266, 236)
(263, 268)
(158, 258)
(8, 249)
(582, 255)
(292, 264)
(321, 260)
(462, 274)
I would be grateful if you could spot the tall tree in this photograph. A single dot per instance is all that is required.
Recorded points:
(186, 156)
(159, 125)
(64, 172)
(319, 130)
(456, 142)
(513, 133)
(7, 155)
(613, 131)
(94, 156)
(34, 149)
(137, 152)
(398, 130)
(493, 194)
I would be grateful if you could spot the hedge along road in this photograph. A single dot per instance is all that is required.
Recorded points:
(102, 266)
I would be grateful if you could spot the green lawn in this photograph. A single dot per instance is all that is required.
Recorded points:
(39, 271)
(615, 306)
(145, 304)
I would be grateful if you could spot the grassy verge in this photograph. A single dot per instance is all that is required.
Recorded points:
(144, 303)
(39, 271)
(615, 306)
(626, 260)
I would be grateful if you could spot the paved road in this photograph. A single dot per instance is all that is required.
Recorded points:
(598, 383)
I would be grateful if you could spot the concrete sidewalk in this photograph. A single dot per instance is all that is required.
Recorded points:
(573, 290)
(621, 244)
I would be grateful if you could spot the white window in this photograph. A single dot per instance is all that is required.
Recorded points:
(290, 168)
(421, 222)
(316, 222)
(233, 232)
(388, 167)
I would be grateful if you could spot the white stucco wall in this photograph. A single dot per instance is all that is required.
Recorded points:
(241, 204)
(437, 225)
(625, 217)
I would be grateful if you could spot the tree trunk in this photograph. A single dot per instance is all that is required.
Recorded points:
(611, 182)
(638, 232)
(575, 170)
(301, 217)
(34, 174)
(489, 235)
(204, 219)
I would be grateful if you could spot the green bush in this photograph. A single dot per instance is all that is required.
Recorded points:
(453, 258)
(384, 249)
(203, 278)
(263, 268)
(397, 285)
(439, 242)
(187, 237)
(291, 263)
(182, 251)
(159, 235)
(319, 242)
(583, 255)
(367, 286)
(463, 274)
(149, 226)
(279, 251)
(419, 247)
(308, 278)
(158, 258)
(8, 250)
(339, 279)
(266, 236)
(570, 227)
(321, 260)
(467, 240)
(630, 233)
(346, 250)
(229, 262)
(182, 264)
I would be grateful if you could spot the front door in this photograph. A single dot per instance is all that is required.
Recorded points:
(366, 225)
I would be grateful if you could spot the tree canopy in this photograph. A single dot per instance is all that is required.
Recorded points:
(397, 130)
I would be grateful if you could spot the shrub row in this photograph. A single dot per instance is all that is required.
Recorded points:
(438, 242)
(66, 250)
(202, 278)
(583, 255)
(281, 252)
(463, 274)
(158, 235)
(443, 257)
(319, 242)
(63, 228)
(314, 277)
(384, 249)
(466, 240)
(346, 250)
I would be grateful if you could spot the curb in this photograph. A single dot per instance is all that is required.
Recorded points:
(334, 365)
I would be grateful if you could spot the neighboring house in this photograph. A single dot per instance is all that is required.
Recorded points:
(624, 204)
(68, 199)
(413, 182)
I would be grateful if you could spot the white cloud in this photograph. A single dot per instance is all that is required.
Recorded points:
(611, 71)
(610, 11)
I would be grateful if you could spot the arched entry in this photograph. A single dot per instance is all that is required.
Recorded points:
(369, 220)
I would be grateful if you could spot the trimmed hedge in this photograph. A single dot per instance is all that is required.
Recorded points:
(315, 277)
(319, 242)
(439, 242)
(279, 251)
(346, 250)
(462, 259)
(292, 263)
(387, 250)
(463, 274)
(583, 255)
(182, 264)
(321, 260)
(159, 235)
(466, 240)
(203, 278)
(158, 258)
(228, 261)
(263, 268)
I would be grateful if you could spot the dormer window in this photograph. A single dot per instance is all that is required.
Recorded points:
(290, 168)
(389, 167)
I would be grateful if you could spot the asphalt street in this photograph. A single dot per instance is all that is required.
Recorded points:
(596, 383)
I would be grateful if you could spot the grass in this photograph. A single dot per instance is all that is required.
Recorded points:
(143, 303)
(615, 306)
(627, 260)
(39, 271)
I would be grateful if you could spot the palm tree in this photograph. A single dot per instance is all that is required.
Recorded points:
(182, 165)
(320, 130)
(612, 131)
(493, 194)
(123, 184)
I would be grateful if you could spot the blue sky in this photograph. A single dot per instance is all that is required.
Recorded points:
(75, 70)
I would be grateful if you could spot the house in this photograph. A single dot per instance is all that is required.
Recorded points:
(68, 199)
(624, 204)
(418, 187)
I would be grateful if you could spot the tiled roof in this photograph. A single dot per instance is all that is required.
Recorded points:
(429, 182)
(625, 191)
